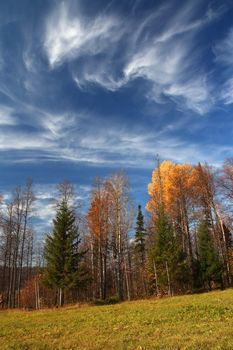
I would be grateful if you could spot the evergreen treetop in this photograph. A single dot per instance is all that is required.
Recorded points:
(62, 251)
(210, 266)
(140, 235)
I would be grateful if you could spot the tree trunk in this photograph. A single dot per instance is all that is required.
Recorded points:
(61, 297)
(168, 281)
(156, 279)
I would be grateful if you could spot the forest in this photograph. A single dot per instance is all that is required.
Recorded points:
(180, 243)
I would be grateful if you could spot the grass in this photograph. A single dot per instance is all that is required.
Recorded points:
(203, 321)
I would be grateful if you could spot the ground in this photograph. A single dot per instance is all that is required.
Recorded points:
(203, 321)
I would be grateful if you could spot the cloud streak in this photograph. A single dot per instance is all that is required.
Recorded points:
(162, 56)
(224, 55)
(68, 37)
(80, 140)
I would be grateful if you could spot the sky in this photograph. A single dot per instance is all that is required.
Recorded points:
(88, 88)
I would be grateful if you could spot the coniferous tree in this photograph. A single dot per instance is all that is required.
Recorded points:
(166, 256)
(140, 235)
(210, 266)
(140, 254)
(62, 252)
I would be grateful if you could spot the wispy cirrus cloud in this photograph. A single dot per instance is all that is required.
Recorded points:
(227, 92)
(194, 95)
(43, 131)
(224, 49)
(168, 62)
(224, 55)
(7, 116)
(45, 205)
(162, 55)
(68, 36)
(81, 139)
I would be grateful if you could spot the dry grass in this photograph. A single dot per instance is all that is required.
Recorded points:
(189, 322)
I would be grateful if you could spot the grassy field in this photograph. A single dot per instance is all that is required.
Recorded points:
(202, 321)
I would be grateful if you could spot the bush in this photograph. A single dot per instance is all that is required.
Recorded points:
(109, 301)
(113, 300)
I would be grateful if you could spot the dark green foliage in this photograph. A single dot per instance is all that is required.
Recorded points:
(109, 301)
(62, 254)
(167, 251)
(210, 266)
(197, 279)
(140, 237)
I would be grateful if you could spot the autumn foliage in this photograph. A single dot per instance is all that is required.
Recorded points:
(181, 243)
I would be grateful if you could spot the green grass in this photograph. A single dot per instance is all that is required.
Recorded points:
(202, 321)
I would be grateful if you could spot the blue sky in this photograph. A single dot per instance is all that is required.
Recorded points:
(90, 87)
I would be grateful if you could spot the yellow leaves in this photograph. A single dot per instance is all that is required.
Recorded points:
(170, 183)
(97, 214)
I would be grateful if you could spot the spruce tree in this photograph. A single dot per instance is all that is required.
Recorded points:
(210, 266)
(62, 252)
(166, 255)
(140, 237)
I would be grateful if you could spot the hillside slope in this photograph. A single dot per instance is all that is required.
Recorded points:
(202, 321)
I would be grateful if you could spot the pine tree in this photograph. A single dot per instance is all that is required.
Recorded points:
(166, 256)
(62, 252)
(140, 236)
(139, 255)
(210, 266)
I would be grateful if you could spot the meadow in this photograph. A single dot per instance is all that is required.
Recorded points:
(203, 321)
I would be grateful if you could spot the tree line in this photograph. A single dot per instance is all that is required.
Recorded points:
(183, 244)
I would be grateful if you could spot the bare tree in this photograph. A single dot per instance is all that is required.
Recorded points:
(16, 235)
(120, 222)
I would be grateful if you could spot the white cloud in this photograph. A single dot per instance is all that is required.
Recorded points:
(102, 77)
(163, 55)
(6, 116)
(82, 139)
(224, 49)
(44, 207)
(49, 129)
(29, 61)
(57, 125)
(21, 141)
(68, 36)
(224, 54)
(227, 92)
(169, 63)
(195, 94)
